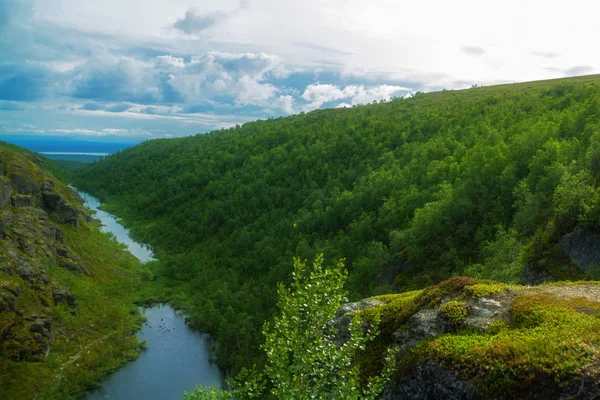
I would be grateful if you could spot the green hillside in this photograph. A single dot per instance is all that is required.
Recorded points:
(494, 182)
(67, 291)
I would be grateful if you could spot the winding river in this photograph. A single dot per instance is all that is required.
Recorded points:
(177, 357)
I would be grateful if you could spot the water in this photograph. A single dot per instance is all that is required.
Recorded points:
(176, 361)
(177, 357)
(111, 224)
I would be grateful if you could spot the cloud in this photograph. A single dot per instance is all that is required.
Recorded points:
(317, 94)
(250, 92)
(23, 82)
(285, 103)
(11, 106)
(102, 132)
(193, 22)
(473, 50)
(578, 70)
(544, 54)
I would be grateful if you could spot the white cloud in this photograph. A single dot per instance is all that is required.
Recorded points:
(285, 103)
(250, 92)
(317, 94)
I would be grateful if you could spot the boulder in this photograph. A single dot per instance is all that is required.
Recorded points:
(428, 381)
(67, 214)
(51, 199)
(21, 201)
(582, 247)
(61, 295)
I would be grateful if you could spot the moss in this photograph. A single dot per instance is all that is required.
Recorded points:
(455, 311)
(547, 336)
(486, 289)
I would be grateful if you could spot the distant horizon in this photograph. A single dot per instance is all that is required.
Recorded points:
(62, 145)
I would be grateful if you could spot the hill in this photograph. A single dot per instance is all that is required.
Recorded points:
(495, 182)
(67, 312)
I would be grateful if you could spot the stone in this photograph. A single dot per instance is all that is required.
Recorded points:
(74, 265)
(24, 184)
(67, 214)
(51, 199)
(429, 381)
(6, 191)
(29, 273)
(424, 324)
(21, 201)
(582, 247)
(61, 295)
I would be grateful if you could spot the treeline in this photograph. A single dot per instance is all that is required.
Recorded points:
(480, 182)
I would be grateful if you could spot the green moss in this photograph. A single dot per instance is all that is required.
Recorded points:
(455, 311)
(486, 289)
(547, 336)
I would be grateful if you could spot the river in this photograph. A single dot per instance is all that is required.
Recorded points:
(177, 357)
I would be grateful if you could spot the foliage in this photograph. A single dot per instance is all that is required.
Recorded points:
(306, 358)
(483, 181)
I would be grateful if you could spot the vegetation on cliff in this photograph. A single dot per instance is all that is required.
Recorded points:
(67, 290)
(495, 183)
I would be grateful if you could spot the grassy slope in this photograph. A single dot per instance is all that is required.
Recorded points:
(99, 337)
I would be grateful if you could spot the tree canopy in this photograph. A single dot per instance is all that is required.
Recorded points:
(483, 182)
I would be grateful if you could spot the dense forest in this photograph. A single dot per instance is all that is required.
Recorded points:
(481, 182)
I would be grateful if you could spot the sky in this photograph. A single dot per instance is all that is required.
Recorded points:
(164, 68)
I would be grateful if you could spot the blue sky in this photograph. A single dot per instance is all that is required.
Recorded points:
(164, 68)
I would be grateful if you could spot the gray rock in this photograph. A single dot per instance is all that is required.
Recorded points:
(62, 295)
(486, 311)
(43, 326)
(582, 247)
(51, 199)
(342, 320)
(6, 191)
(534, 276)
(67, 214)
(425, 324)
(430, 381)
(74, 265)
(31, 274)
(21, 201)
(24, 184)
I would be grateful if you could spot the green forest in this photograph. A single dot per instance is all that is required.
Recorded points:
(482, 182)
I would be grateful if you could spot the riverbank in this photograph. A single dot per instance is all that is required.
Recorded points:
(176, 358)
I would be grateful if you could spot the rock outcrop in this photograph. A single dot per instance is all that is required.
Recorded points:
(34, 212)
(469, 339)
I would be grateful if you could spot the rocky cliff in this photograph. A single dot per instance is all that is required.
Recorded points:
(52, 303)
(34, 209)
(469, 339)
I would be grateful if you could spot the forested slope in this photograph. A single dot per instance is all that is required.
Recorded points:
(494, 182)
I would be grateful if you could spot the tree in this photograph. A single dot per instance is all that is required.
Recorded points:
(306, 358)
